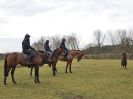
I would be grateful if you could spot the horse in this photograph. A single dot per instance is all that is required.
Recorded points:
(54, 61)
(124, 60)
(70, 56)
(13, 59)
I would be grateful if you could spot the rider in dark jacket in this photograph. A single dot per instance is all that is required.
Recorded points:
(47, 49)
(27, 49)
(62, 45)
(46, 46)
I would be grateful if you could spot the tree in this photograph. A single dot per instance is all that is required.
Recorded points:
(112, 38)
(39, 45)
(73, 41)
(121, 35)
(55, 42)
(99, 37)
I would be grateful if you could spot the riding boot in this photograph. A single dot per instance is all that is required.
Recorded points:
(31, 58)
(65, 56)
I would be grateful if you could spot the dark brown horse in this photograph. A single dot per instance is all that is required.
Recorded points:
(124, 60)
(54, 61)
(71, 55)
(13, 59)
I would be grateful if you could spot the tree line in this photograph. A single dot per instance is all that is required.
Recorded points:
(109, 43)
(120, 38)
(72, 42)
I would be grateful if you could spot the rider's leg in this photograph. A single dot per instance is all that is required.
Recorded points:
(32, 53)
(50, 56)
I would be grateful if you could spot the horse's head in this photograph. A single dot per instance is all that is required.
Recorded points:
(79, 55)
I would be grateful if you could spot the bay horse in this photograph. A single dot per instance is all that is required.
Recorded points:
(54, 61)
(15, 58)
(70, 56)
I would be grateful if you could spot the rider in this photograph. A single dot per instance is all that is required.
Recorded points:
(47, 49)
(62, 45)
(27, 49)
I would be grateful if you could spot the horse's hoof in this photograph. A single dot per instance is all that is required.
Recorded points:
(71, 72)
(35, 81)
(14, 83)
(5, 83)
(39, 82)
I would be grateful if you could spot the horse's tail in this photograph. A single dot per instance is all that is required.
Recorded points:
(5, 66)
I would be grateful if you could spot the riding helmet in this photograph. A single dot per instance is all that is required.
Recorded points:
(47, 41)
(27, 36)
(63, 39)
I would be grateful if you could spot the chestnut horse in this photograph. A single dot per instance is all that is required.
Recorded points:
(70, 56)
(15, 58)
(54, 61)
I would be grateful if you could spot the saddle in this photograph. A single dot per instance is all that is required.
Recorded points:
(48, 57)
(64, 56)
(28, 58)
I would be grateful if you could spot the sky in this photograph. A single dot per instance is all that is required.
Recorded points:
(60, 17)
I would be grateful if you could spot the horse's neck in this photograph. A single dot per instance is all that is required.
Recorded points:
(73, 52)
(55, 53)
(39, 53)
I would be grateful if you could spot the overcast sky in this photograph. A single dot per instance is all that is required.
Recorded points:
(60, 17)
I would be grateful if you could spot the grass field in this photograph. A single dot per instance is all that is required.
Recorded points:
(91, 79)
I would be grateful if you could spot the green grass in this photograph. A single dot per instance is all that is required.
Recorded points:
(91, 79)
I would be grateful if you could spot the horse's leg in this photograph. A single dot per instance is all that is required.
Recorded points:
(31, 71)
(56, 70)
(70, 67)
(6, 74)
(12, 74)
(66, 67)
(37, 74)
(53, 69)
(125, 67)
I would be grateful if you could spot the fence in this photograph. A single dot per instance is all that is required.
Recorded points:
(106, 56)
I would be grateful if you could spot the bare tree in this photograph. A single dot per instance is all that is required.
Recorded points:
(99, 37)
(39, 45)
(130, 35)
(121, 35)
(73, 41)
(112, 38)
(55, 42)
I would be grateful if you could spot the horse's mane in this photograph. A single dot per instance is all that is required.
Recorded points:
(55, 50)
(40, 51)
(75, 50)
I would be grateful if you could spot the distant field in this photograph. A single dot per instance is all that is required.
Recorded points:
(91, 79)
